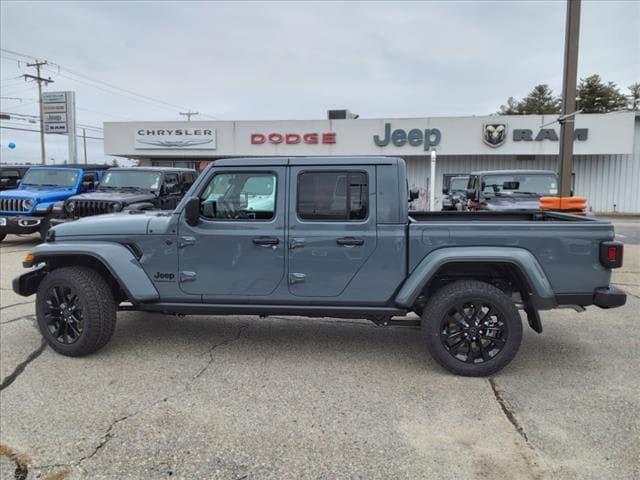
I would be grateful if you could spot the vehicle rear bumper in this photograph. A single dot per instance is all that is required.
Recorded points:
(603, 297)
(20, 224)
(609, 297)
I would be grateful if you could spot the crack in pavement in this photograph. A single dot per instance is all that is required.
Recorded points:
(30, 316)
(15, 305)
(9, 379)
(506, 409)
(220, 344)
(108, 435)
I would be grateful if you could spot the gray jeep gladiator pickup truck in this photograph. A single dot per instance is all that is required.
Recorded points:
(323, 237)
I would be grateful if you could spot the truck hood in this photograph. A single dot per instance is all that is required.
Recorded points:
(41, 194)
(125, 223)
(116, 196)
(501, 204)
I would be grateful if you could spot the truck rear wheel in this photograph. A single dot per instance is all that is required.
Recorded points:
(76, 311)
(472, 328)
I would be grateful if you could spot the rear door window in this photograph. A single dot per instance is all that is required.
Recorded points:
(336, 196)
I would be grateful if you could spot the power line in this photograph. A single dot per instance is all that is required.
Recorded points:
(100, 82)
(39, 131)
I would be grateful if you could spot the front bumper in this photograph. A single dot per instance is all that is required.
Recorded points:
(27, 283)
(20, 224)
(609, 297)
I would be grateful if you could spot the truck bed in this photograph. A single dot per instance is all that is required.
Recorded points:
(566, 246)
(484, 216)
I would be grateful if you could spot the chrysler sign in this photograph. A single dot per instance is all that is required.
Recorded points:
(183, 138)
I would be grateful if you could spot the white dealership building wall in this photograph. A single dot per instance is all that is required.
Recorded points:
(606, 162)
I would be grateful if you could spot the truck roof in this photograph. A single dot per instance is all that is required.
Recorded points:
(515, 170)
(278, 161)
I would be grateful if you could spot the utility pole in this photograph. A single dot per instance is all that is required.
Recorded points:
(569, 80)
(47, 81)
(84, 142)
(188, 114)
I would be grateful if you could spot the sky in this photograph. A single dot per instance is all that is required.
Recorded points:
(294, 60)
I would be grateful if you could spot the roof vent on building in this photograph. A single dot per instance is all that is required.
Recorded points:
(343, 114)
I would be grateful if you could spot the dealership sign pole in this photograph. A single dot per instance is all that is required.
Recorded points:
(59, 111)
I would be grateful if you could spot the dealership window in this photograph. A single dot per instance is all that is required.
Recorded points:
(239, 196)
(332, 195)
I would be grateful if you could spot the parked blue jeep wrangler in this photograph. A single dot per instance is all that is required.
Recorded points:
(28, 208)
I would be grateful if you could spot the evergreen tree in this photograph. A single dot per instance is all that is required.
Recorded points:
(594, 96)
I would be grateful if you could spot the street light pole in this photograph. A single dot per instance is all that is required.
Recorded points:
(569, 80)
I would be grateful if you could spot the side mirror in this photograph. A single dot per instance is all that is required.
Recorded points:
(471, 194)
(192, 211)
(445, 191)
(86, 186)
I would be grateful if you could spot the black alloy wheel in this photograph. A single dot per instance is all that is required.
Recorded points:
(63, 314)
(474, 331)
(472, 328)
(76, 310)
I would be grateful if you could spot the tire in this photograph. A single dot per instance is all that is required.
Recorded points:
(481, 340)
(84, 318)
(3, 236)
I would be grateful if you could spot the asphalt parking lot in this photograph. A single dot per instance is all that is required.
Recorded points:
(250, 398)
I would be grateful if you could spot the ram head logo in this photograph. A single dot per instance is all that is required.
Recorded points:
(494, 134)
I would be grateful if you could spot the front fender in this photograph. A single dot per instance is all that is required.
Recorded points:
(543, 296)
(116, 258)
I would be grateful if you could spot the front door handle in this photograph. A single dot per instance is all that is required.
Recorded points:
(266, 241)
(350, 241)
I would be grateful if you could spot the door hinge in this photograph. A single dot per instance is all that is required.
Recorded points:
(187, 276)
(296, 278)
(185, 241)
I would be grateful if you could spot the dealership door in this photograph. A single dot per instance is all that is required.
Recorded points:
(332, 227)
(237, 248)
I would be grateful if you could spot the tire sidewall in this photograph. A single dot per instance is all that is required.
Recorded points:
(57, 278)
(468, 291)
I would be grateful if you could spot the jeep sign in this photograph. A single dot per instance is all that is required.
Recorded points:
(429, 137)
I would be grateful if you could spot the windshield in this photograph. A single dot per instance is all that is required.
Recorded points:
(50, 177)
(458, 184)
(524, 184)
(143, 180)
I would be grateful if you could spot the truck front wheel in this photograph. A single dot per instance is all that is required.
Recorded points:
(472, 328)
(76, 311)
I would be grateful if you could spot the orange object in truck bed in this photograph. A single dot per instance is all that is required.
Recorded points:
(572, 204)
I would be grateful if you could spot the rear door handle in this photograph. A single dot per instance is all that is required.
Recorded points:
(266, 241)
(350, 241)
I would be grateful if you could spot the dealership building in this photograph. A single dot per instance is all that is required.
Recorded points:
(606, 164)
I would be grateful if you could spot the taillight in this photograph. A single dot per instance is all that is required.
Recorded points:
(611, 254)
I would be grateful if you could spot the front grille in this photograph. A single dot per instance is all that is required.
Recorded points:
(12, 205)
(87, 208)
